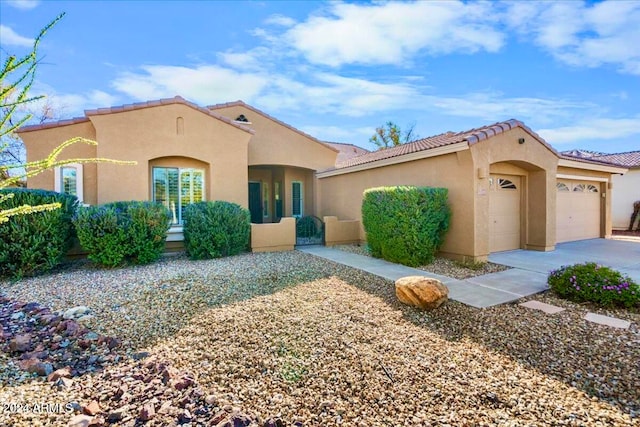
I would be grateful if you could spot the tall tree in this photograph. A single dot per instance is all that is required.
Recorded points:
(16, 78)
(390, 135)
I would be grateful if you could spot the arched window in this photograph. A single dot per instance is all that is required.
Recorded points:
(506, 184)
(561, 186)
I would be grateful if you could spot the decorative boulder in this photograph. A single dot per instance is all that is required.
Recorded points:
(422, 292)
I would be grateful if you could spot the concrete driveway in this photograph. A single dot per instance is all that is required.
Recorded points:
(620, 255)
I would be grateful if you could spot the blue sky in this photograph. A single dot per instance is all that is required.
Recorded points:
(569, 70)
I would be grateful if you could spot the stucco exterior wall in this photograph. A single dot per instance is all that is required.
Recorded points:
(625, 191)
(274, 237)
(41, 143)
(152, 133)
(341, 195)
(536, 164)
(275, 144)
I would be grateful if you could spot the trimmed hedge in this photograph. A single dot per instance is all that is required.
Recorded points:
(35, 243)
(123, 232)
(405, 224)
(591, 282)
(216, 229)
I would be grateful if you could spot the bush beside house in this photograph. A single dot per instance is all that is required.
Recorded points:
(216, 229)
(405, 224)
(591, 282)
(123, 232)
(35, 243)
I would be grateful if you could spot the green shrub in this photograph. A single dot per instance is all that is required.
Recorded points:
(35, 243)
(123, 232)
(405, 224)
(594, 283)
(216, 229)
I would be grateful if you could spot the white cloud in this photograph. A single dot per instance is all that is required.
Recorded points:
(11, 38)
(595, 129)
(205, 84)
(281, 20)
(23, 4)
(390, 33)
(495, 107)
(580, 34)
(330, 93)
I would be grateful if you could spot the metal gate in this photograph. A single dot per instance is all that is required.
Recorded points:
(309, 231)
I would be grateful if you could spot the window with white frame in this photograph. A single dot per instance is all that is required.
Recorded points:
(296, 199)
(68, 180)
(176, 188)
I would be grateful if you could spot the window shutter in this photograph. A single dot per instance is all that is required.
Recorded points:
(296, 197)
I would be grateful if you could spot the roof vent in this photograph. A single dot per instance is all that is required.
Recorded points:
(242, 118)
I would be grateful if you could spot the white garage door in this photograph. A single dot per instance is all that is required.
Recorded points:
(504, 213)
(577, 210)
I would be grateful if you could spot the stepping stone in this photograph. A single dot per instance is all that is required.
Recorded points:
(547, 308)
(608, 321)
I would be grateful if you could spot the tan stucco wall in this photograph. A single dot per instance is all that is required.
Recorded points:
(280, 236)
(536, 165)
(275, 144)
(341, 195)
(625, 191)
(151, 134)
(41, 143)
(339, 232)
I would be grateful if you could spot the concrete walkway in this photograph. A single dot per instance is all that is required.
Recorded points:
(481, 291)
(620, 255)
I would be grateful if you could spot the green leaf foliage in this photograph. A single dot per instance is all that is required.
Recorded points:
(121, 233)
(216, 229)
(405, 224)
(591, 282)
(35, 243)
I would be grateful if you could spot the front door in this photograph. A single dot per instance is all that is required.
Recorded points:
(255, 202)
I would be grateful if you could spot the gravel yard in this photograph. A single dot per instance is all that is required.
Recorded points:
(263, 339)
(442, 266)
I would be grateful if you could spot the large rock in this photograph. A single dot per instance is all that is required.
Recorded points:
(422, 292)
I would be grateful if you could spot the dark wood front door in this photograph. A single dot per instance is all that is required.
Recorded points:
(255, 202)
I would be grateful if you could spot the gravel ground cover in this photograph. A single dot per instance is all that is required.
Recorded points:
(291, 339)
(440, 265)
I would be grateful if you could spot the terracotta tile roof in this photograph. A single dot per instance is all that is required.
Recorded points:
(346, 151)
(630, 159)
(46, 125)
(471, 136)
(262, 113)
(135, 106)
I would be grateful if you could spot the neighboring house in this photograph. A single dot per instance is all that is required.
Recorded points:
(626, 188)
(508, 188)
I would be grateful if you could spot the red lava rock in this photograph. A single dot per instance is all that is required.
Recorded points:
(147, 412)
(60, 373)
(183, 383)
(36, 366)
(20, 343)
(274, 422)
(92, 408)
(80, 421)
(121, 391)
(113, 343)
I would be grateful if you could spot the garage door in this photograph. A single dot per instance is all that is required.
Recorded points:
(504, 213)
(577, 210)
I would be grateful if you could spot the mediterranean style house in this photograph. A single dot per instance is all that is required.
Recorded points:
(508, 188)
